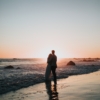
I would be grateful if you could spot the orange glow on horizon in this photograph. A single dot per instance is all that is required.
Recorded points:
(44, 52)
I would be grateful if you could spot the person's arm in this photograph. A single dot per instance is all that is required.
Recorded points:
(56, 61)
(56, 58)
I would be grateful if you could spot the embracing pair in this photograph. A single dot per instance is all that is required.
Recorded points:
(51, 66)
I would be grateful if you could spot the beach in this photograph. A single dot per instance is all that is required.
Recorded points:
(78, 87)
(44, 41)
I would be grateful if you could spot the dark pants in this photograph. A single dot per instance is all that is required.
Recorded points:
(53, 69)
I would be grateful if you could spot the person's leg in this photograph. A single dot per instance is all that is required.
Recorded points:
(53, 69)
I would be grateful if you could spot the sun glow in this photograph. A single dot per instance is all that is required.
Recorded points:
(46, 51)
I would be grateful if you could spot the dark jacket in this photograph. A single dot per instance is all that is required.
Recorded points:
(54, 61)
(51, 60)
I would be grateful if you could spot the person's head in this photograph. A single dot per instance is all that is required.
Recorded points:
(53, 51)
(50, 55)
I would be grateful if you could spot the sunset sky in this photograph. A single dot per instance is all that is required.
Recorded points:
(32, 28)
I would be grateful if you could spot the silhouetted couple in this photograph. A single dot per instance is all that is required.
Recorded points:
(51, 67)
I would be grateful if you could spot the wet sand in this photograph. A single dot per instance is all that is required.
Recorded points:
(78, 87)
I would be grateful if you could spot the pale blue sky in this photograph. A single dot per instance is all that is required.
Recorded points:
(30, 27)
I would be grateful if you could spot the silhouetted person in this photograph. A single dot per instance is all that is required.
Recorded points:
(51, 67)
(48, 68)
(54, 66)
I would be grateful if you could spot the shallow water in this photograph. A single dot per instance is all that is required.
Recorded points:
(32, 71)
(80, 87)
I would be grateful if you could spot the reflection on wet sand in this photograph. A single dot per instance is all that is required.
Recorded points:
(51, 91)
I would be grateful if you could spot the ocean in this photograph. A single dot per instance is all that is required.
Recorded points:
(30, 71)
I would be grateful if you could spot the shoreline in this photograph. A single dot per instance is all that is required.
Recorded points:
(77, 87)
(7, 85)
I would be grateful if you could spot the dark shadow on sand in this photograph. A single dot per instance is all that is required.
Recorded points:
(51, 91)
